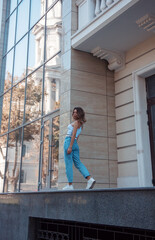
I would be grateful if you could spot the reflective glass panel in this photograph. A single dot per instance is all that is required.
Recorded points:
(55, 62)
(30, 158)
(49, 3)
(50, 153)
(10, 27)
(51, 90)
(53, 33)
(8, 70)
(46, 157)
(17, 105)
(5, 101)
(37, 10)
(55, 152)
(13, 161)
(34, 95)
(13, 5)
(3, 143)
(36, 46)
(23, 19)
(20, 60)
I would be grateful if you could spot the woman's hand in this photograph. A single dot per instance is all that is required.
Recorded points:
(69, 150)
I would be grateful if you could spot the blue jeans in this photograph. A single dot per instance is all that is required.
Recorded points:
(73, 157)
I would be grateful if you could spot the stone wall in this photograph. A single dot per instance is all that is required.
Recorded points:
(141, 56)
(86, 82)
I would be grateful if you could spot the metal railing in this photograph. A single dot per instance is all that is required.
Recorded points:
(70, 230)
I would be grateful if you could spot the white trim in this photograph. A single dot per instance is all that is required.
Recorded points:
(141, 118)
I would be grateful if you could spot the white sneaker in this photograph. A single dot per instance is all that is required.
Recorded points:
(90, 184)
(68, 187)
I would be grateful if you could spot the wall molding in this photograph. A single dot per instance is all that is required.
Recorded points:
(141, 127)
(147, 22)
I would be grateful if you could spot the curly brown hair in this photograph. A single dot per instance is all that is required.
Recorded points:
(80, 114)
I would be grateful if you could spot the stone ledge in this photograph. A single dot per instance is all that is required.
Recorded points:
(125, 207)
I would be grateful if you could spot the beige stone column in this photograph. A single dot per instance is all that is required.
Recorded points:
(86, 82)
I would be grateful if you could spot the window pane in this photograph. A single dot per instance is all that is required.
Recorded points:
(37, 10)
(10, 26)
(13, 5)
(30, 160)
(8, 70)
(34, 95)
(53, 33)
(45, 156)
(55, 152)
(55, 62)
(17, 105)
(49, 3)
(50, 153)
(20, 60)
(13, 161)
(3, 142)
(36, 46)
(23, 19)
(51, 90)
(5, 101)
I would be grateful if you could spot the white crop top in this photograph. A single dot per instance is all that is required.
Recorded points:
(70, 130)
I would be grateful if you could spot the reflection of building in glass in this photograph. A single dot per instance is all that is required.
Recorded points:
(29, 91)
(53, 44)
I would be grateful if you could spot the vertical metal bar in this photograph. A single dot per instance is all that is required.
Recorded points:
(10, 99)
(42, 109)
(22, 133)
(40, 155)
(50, 157)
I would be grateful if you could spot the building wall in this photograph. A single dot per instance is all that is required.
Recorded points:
(129, 173)
(87, 82)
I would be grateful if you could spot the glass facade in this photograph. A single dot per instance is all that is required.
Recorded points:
(29, 96)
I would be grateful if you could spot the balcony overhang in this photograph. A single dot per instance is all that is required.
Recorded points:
(113, 32)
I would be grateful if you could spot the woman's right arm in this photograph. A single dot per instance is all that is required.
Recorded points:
(73, 137)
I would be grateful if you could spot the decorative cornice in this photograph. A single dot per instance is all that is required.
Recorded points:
(147, 22)
(116, 60)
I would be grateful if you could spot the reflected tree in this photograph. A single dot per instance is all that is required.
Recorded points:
(33, 97)
(55, 150)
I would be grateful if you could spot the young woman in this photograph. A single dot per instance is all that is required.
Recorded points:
(71, 150)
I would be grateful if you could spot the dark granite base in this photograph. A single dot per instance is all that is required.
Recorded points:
(134, 208)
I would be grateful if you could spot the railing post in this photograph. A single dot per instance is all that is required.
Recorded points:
(97, 8)
(103, 5)
(86, 11)
(109, 2)
(91, 9)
